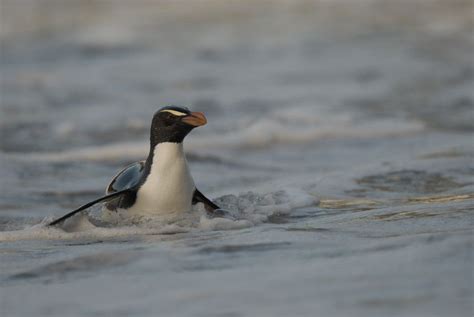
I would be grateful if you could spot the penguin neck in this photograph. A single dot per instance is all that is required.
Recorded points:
(161, 156)
(165, 153)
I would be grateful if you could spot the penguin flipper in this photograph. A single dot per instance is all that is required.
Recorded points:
(198, 197)
(89, 204)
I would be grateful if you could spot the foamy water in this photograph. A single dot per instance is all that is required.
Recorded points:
(242, 211)
(339, 147)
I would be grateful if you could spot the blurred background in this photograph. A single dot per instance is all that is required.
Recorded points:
(365, 106)
(77, 73)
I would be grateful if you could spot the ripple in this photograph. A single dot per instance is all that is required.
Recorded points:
(409, 181)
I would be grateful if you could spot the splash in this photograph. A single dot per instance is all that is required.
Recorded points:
(238, 211)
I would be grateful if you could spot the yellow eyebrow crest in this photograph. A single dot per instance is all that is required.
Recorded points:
(174, 112)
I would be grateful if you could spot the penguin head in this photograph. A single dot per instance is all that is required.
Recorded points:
(172, 124)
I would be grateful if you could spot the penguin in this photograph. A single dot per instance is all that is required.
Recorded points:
(162, 183)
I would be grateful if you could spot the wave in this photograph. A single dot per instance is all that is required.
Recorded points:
(282, 126)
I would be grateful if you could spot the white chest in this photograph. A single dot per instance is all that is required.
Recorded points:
(169, 187)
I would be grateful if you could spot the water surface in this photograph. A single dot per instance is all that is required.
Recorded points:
(339, 139)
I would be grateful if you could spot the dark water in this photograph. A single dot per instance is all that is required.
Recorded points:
(339, 140)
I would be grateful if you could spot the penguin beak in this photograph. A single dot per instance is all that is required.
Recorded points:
(195, 119)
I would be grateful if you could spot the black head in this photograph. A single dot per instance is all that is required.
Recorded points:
(172, 124)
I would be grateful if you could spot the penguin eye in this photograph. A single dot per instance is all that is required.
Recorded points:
(167, 124)
(168, 121)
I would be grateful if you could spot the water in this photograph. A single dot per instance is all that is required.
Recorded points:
(339, 140)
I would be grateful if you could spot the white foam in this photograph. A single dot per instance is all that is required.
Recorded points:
(249, 209)
(242, 211)
(43, 232)
(256, 208)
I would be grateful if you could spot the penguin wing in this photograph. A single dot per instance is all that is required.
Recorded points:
(199, 197)
(119, 192)
(127, 178)
(89, 204)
